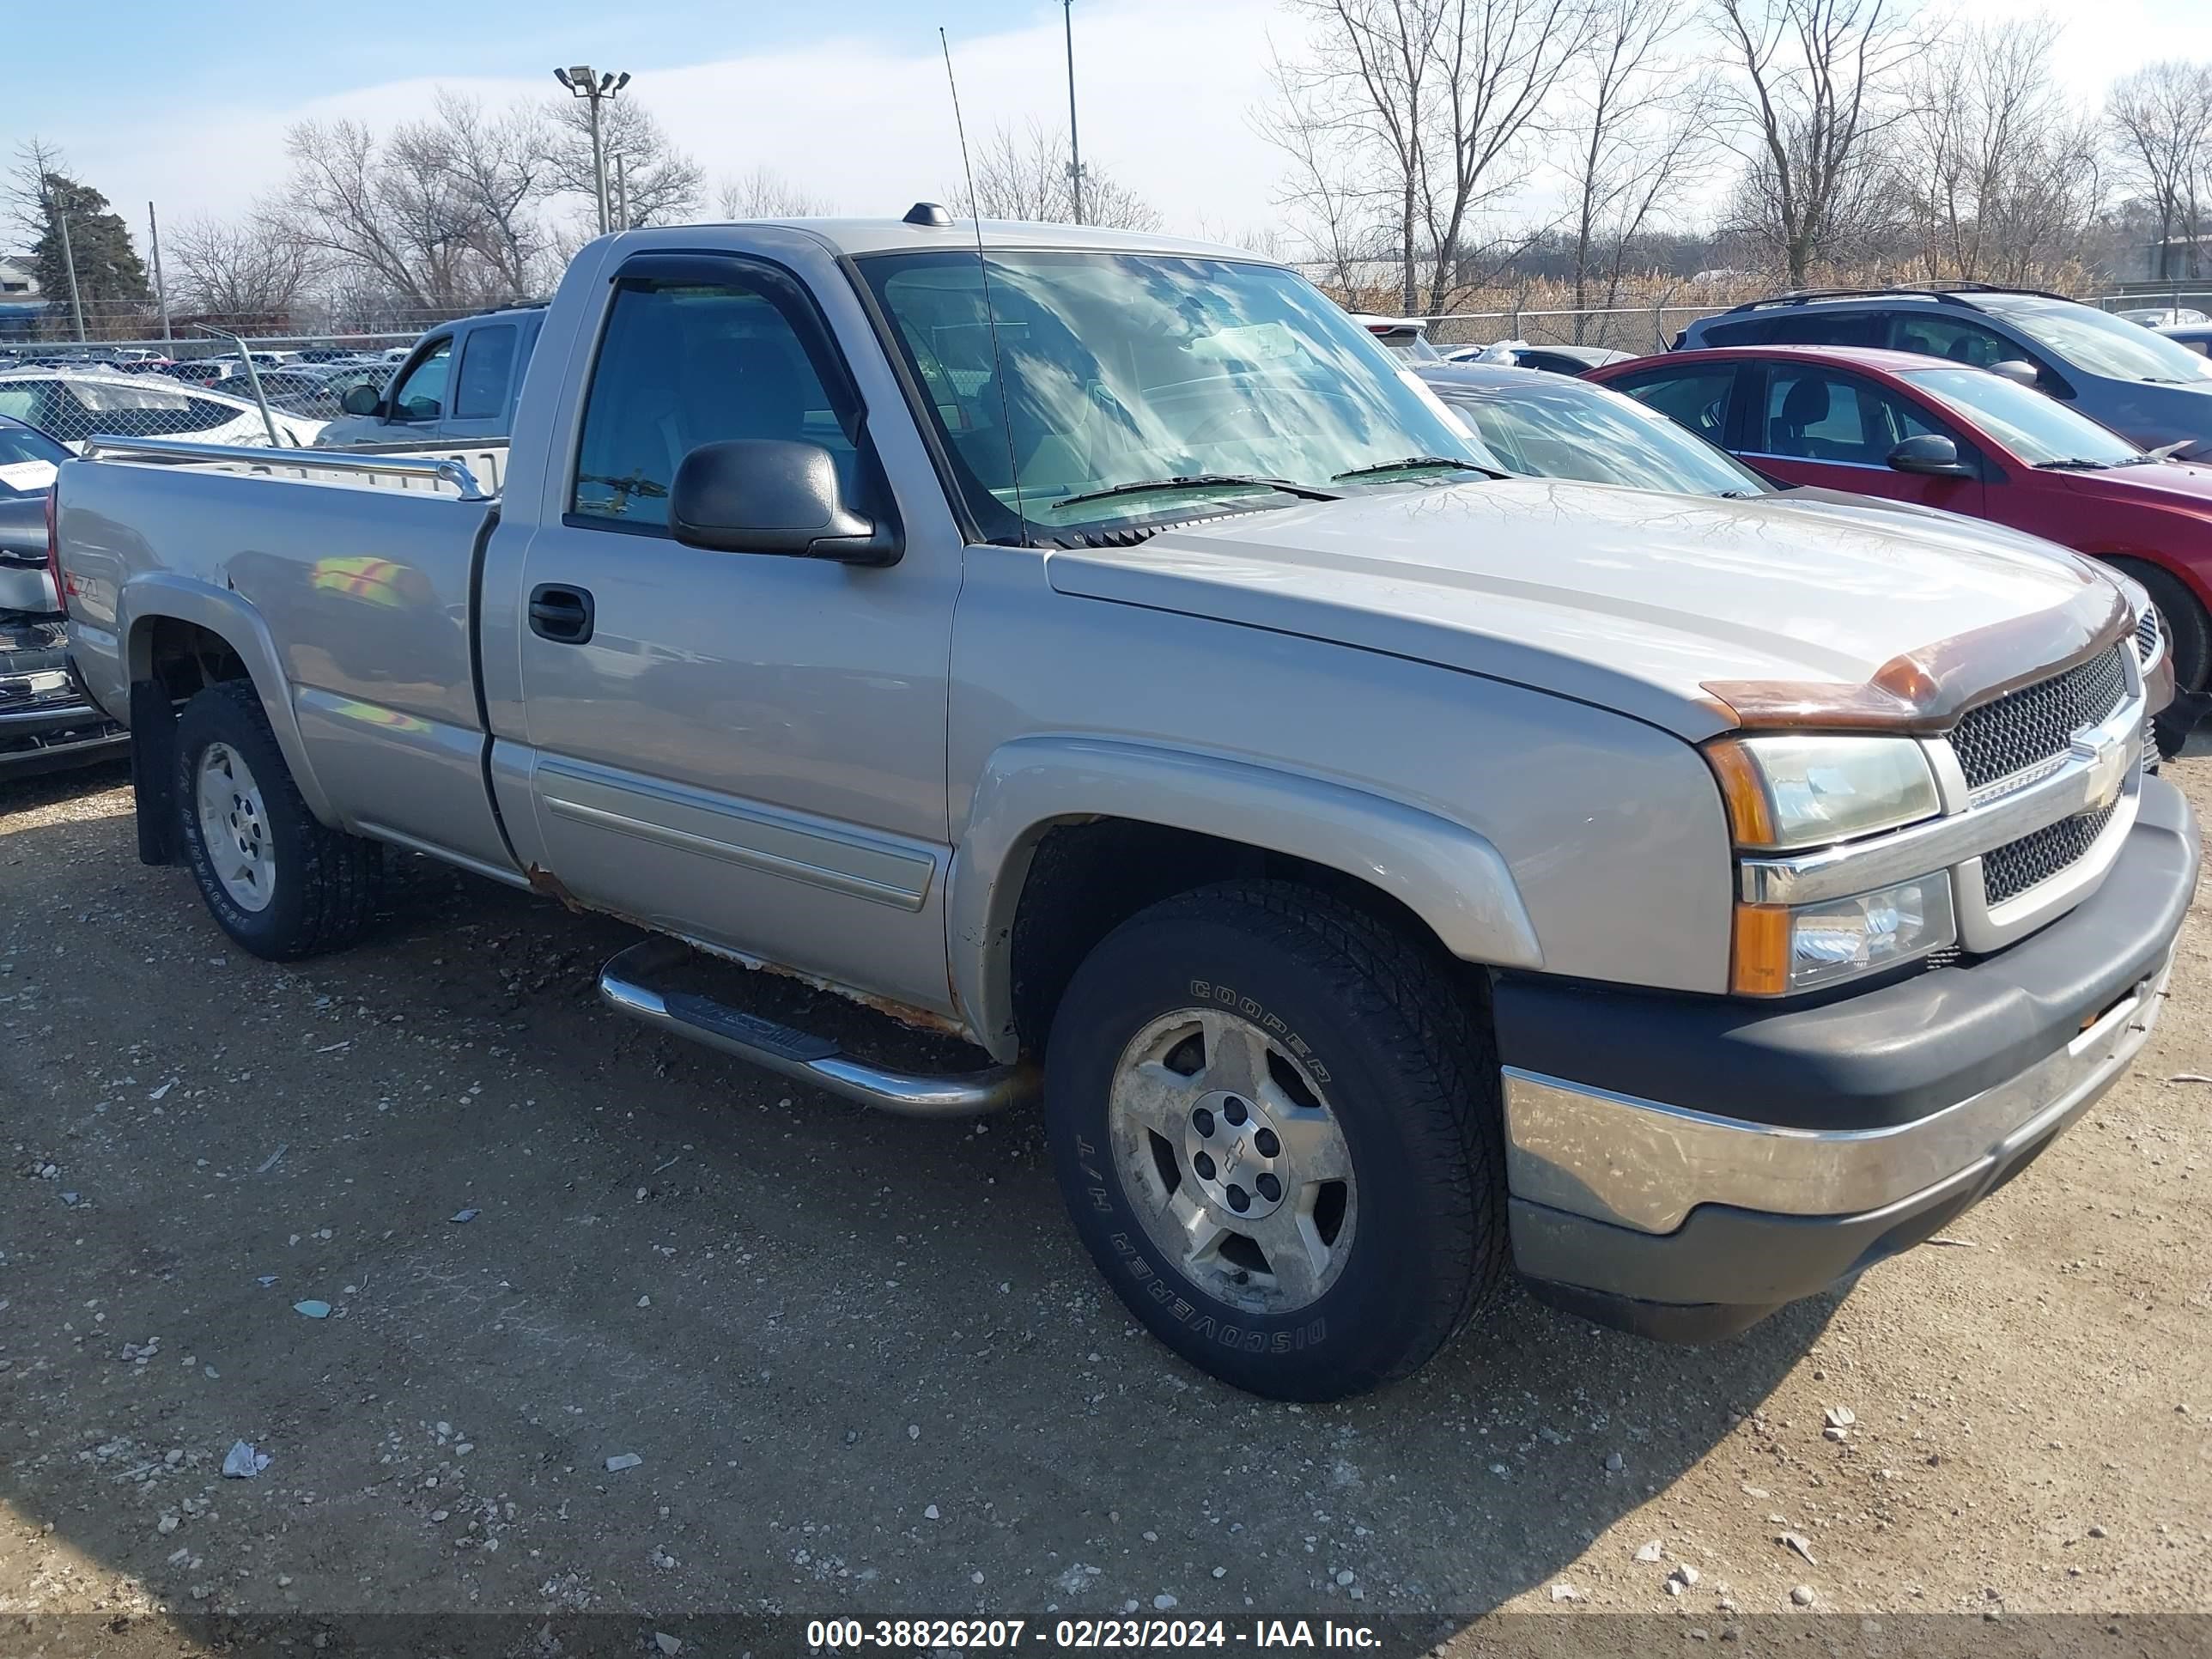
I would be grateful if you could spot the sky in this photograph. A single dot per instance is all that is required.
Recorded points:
(187, 105)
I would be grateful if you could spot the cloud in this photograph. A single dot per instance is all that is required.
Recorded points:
(1165, 89)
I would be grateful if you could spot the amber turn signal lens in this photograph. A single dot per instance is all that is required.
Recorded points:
(1744, 791)
(1758, 961)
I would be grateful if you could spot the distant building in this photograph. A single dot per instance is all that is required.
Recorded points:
(21, 308)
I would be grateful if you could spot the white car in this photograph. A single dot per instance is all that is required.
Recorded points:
(71, 405)
(2163, 316)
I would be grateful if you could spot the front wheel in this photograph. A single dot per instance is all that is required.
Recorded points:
(279, 882)
(1275, 1123)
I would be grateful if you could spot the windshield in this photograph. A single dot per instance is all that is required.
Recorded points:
(1555, 428)
(2090, 339)
(2038, 429)
(28, 460)
(1116, 370)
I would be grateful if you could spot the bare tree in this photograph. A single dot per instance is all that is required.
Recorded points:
(247, 269)
(497, 168)
(443, 213)
(1639, 138)
(1426, 109)
(2161, 120)
(661, 184)
(1999, 172)
(343, 202)
(1027, 176)
(1334, 212)
(1813, 85)
(1266, 240)
(764, 193)
(26, 191)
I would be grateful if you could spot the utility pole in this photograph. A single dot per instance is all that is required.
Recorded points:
(69, 258)
(579, 81)
(161, 287)
(1074, 148)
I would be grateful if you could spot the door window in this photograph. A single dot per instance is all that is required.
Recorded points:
(1695, 398)
(1954, 338)
(1825, 327)
(684, 364)
(1815, 414)
(421, 395)
(486, 363)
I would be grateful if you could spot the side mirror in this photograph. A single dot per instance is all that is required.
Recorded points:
(361, 400)
(2018, 371)
(1930, 457)
(772, 496)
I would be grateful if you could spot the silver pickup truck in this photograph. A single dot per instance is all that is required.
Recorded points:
(1386, 872)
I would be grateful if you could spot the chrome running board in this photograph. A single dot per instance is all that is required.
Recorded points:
(801, 1055)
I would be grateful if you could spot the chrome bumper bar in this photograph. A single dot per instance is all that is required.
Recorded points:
(1645, 1165)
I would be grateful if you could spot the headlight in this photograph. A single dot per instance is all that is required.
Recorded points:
(1779, 950)
(1791, 792)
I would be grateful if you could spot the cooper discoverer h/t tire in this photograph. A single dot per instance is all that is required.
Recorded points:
(1275, 1122)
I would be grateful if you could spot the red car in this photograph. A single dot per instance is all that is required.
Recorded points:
(1943, 435)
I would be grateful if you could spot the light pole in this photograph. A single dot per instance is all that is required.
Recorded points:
(69, 258)
(1074, 148)
(161, 287)
(579, 81)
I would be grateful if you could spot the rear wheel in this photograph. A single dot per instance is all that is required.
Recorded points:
(1275, 1123)
(278, 881)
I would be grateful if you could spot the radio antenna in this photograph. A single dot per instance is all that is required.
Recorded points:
(983, 269)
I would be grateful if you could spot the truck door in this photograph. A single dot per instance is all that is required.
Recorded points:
(743, 748)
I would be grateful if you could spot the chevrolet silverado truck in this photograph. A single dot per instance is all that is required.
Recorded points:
(1385, 872)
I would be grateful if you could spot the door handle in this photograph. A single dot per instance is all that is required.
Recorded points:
(563, 615)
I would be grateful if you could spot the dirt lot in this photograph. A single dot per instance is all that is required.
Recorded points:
(867, 1371)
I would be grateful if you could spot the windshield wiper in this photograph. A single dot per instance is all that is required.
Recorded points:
(2076, 465)
(1413, 461)
(1202, 481)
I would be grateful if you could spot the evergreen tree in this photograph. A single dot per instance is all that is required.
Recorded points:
(109, 275)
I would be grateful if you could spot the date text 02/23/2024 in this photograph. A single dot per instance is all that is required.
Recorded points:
(830, 1635)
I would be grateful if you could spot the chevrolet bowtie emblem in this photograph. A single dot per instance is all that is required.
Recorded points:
(2108, 769)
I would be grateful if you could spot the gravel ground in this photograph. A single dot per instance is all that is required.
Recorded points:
(863, 1369)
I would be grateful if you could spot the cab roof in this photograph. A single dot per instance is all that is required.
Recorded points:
(861, 237)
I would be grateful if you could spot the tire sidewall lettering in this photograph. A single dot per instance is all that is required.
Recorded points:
(1251, 1008)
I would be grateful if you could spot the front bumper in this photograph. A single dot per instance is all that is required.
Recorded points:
(1704, 1161)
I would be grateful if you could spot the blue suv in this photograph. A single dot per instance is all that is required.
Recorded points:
(2123, 375)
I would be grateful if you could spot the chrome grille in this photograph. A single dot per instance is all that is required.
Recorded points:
(2147, 635)
(2034, 725)
(2017, 865)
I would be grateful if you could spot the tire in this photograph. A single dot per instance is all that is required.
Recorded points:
(1354, 1031)
(278, 881)
(2188, 630)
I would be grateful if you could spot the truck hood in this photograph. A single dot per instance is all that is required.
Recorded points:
(1627, 598)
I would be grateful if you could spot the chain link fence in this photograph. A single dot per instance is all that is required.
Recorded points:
(205, 400)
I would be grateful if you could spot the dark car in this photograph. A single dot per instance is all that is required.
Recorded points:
(44, 721)
(2134, 380)
(2196, 337)
(1552, 359)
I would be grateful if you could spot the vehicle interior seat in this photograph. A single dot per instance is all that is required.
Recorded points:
(1805, 404)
